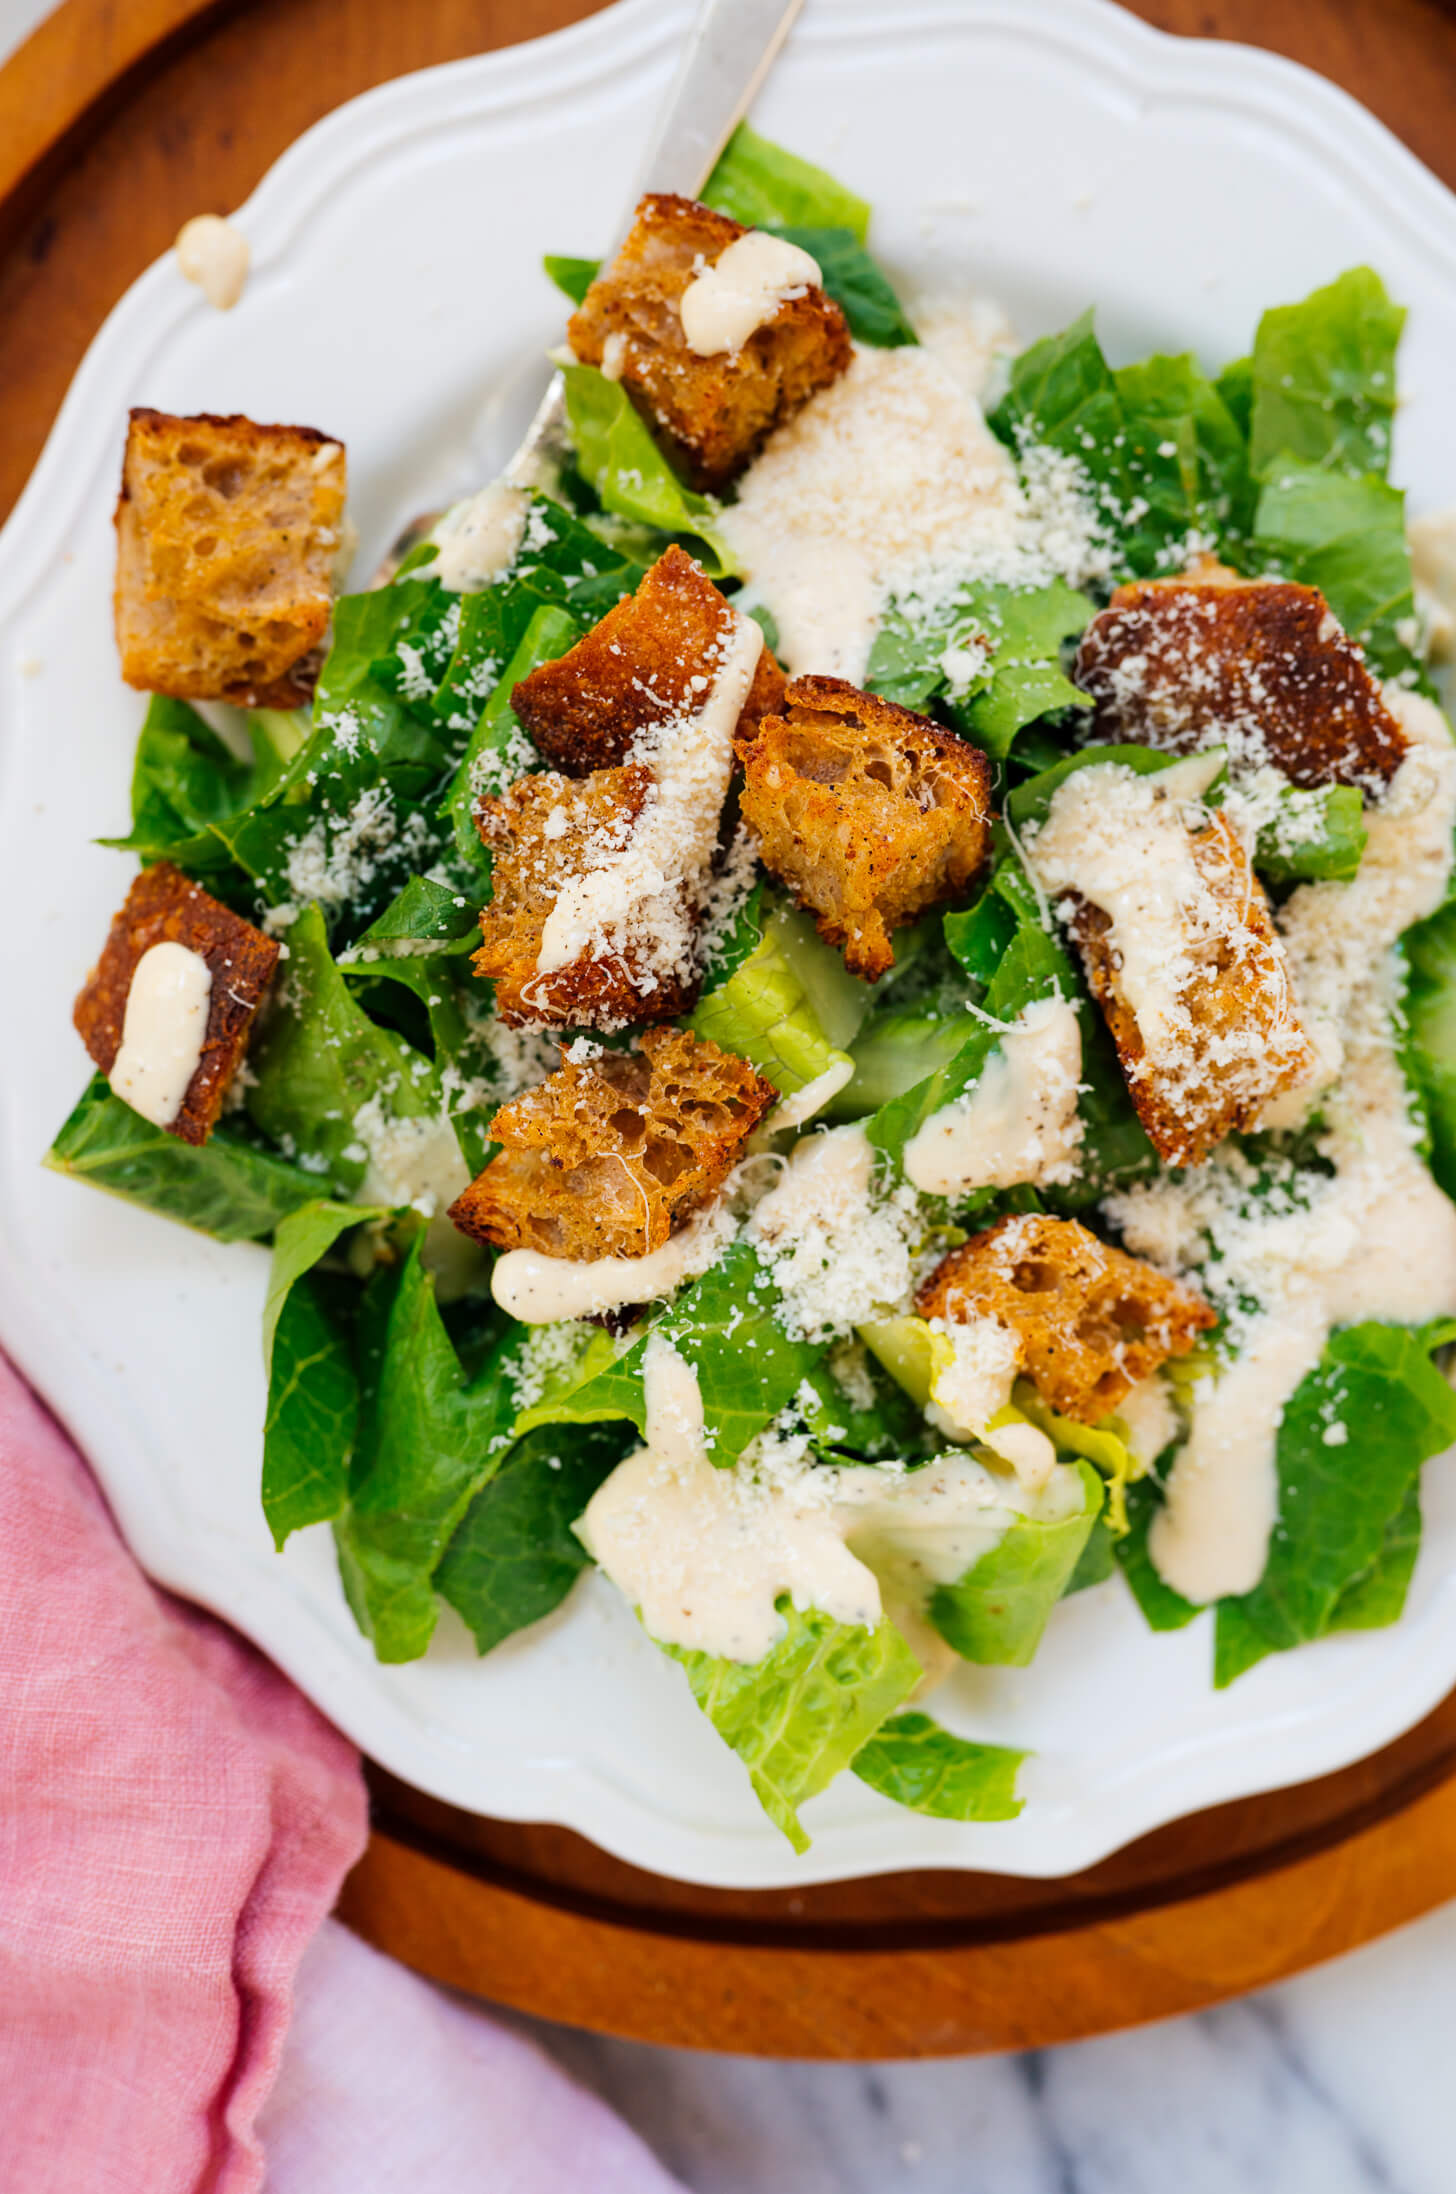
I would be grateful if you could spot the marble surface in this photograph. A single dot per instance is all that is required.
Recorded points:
(1339, 2082)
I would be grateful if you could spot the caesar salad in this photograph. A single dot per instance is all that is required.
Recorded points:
(846, 1011)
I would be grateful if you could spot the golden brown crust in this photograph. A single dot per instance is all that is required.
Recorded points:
(640, 667)
(870, 813)
(163, 907)
(1259, 664)
(543, 832)
(609, 1156)
(1246, 1044)
(712, 414)
(226, 537)
(1091, 1320)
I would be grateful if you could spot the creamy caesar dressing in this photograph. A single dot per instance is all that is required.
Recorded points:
(538, 1290)
(417, 1161)
(705, 1554)
(163, 1031)
(1377, 1239)
(1019, 1122)
(639, 899)
(1149, 1418)
(742, 291)
(216, 256)
(477, 541)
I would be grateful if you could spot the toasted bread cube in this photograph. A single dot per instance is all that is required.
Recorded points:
(226, 535)
(714, 413)
(1258, 665)
(652, 658)
(1090, 1320)
(610, 1155)
(1244, 1042)
(870, 813)
(544, 832)
(163, 907)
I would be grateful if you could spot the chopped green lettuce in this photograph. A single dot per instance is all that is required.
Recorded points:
(514, 1556)
(1430, 1045)
(1162, 1608)
(771, 1008)
(499, 750)
(313, 1388)
(993, 654)
(724, 1325)
(430, 1434)
(1376, 1387)
(1322, 378)
(761, 185)
(231, 1186)
(807, 1709)
(913, 1761)
(1347, 537)
(320, 1058)
(573, 277)
(996, 1613)
(620, 460)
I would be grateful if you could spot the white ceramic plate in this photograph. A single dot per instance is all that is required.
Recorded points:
(1050, 152)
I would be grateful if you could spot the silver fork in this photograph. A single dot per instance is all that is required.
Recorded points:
(730, 49)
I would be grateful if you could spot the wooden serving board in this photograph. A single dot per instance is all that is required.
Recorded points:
(117, 122)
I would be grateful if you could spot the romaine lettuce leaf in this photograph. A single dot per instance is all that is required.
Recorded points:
(1322, 378)
(996, 1613)
(1430, 1045)
(573, 277)
(313, 1389)
(184, 780)
(1339, 1497)
(913, 1761)
(620, 460)
(761, 185)
(429, 1437)
(1013, 634)
(894, 1052)
(722, 1324)
(802, 1713)
(229, 1186)
(514, 1556)
(319, 1058)
(1162, 1607)
(770, 1010)
(499, 749)
(1347, 537)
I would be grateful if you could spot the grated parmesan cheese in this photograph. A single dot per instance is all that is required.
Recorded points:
(839, 1250)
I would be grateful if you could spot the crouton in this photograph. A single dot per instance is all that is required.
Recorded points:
(870, 813)
(714, 413)
(651, 658)
(1090, 1320)
(546, 831)
(1242, 1045)
(163, 906)
(610, 1155)
(226, 534)
(1260, 666)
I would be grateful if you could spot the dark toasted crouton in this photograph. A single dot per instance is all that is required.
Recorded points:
(544, 832)
(1243, 1044)
(653, 657)
(608, 1157)
(870, 813)
(226, 534)
(1260, 666)
(1091, 1320)
(713, 414)
(163, 907)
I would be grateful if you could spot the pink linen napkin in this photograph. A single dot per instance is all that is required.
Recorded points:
(175, 1821)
